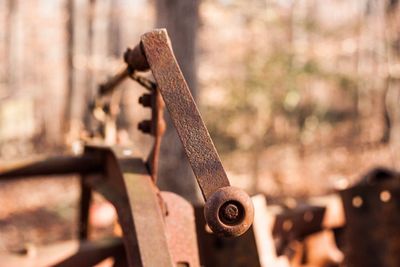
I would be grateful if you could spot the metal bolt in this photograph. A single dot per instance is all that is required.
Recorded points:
(145, 100)
(145, 126)
(127, 54)
(231, 212)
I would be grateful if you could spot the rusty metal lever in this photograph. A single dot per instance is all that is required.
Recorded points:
(228, 210)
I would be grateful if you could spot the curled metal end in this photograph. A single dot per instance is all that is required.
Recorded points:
(229, 212)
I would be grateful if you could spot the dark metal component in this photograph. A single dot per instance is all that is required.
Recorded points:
(229, 211)
(372, 233)
(67, 254)
(84, 205)
(146, 83)
(157, 130)
(145, 126)
(114, 81)
(58, 165)
(218, 251)
(145, 100)
(135, 59)
(88, 256)
(299, 222)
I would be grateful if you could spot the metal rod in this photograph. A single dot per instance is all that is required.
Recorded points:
(58, 165)
(109, 86)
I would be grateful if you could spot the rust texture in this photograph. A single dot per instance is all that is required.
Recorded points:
(155, 232)
(229, 212)
(194, 136)
(158, 227)
(181, 230)
(196, 141)
(156, 126)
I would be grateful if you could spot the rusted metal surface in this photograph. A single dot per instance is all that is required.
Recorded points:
(181, 230)
(196, 140)
(136, 62)
(272, 240)
(227, 211)
(298, 223)
(73, 253)
(156, 127)
(194, 136)
(158, 227)
(156, 232)
(232, 216)
(129, 187)
(254, 248)
(218, 251)
(372, 233)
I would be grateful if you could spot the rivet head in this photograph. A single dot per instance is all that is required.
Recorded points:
(229, 211)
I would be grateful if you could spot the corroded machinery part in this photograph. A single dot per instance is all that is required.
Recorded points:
(229, 212)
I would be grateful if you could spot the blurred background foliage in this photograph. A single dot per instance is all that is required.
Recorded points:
(299, 96)
(288, 88)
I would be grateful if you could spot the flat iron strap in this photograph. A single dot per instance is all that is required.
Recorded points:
(194, 136)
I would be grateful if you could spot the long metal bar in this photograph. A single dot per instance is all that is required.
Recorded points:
(127, 184)
(109, 86)
(191, 129)
(67, 254)
(135, 61)
(56, 165)
(84, 206)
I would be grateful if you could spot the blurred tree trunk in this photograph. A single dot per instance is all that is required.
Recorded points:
(12, 45)
(180, 18)
(8, 27)
(392, 84)
(114, 31)
(392, 117)
(70, 65)
(89, 71)
(80, 60)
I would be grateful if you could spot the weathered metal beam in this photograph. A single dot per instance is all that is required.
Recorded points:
(135, 60)
(127, 184)
(56, 165)
(72, 253)
(191, 129)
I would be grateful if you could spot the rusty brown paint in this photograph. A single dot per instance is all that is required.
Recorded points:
(220, 214)
(196, 140)
(181, 230)
(158, 129)
(127, 184)
(191, 129)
